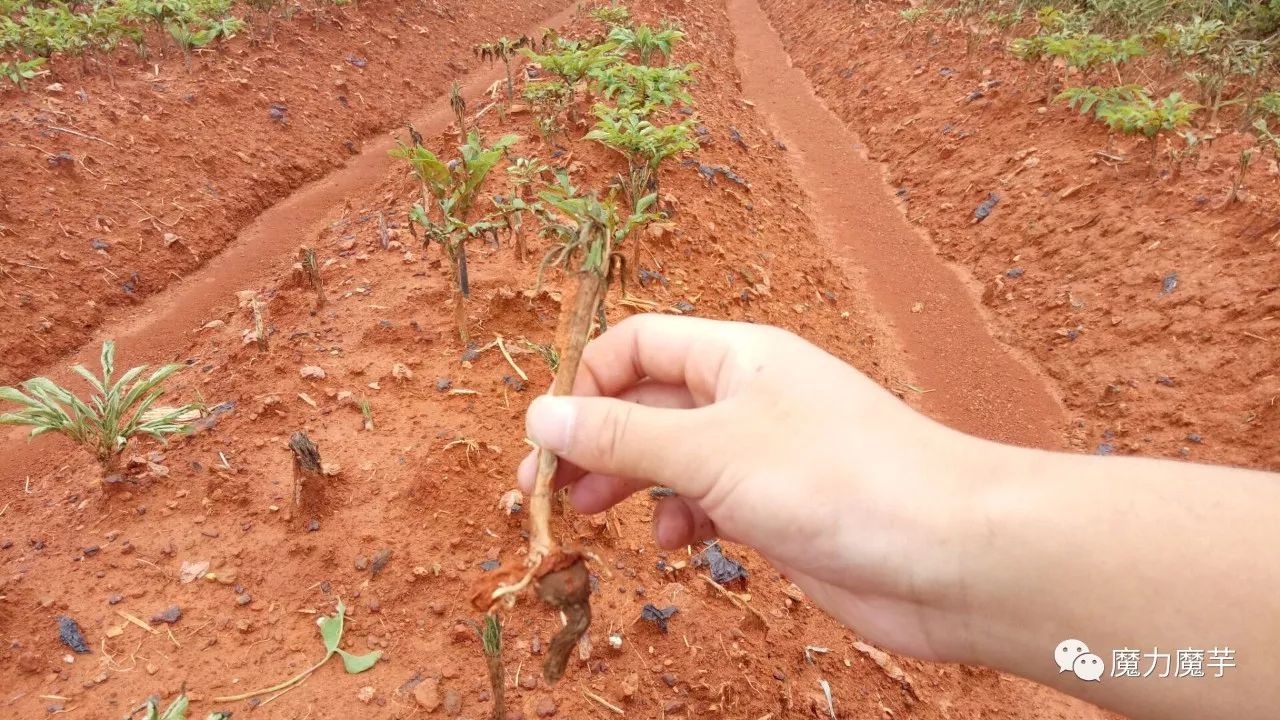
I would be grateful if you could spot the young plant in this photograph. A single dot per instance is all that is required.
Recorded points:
(366, 412)
(331, 627)
(611, 15)
(526, 174)
(645, 41)
(1242, 168)
(491, 641)
(645, 146)
(572, 63)
(447, 220)
(588, 229)
(1130, 110)
(503, 49)
(19, 72)
(643, 88)
(120, 410)
(549, 99)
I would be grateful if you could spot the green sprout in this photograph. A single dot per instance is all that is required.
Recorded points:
(105, 423)
(331, 627)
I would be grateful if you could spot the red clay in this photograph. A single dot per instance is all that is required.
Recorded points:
(814, 244)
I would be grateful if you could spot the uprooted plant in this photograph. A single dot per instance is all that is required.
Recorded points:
(452, 189)
(587, 230)
(331, 627)
(120, 410)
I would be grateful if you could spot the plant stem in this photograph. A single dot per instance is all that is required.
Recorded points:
(274, 688)
(571, 339)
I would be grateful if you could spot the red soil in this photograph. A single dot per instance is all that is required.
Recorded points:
(774, 252)
(1140, 371)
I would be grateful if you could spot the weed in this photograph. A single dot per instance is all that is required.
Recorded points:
(491, 641)
(331, 627)
(366, 412)
(104, 425)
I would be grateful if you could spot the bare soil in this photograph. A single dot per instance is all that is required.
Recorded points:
(816, 243)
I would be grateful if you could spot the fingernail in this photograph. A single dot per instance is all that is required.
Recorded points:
(550, 422)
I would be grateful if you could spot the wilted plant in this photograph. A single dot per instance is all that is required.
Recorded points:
(645, 41)
(459, 107)
(331, 627)
(1246, 159)
(452, 188)
(503, 49)
(587, 229)
(1272, 139)
(120, 410)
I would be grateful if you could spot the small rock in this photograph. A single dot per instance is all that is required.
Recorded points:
(528, 681)
(673, 706)
(462, 633)
(546, 707)
(670, 679)
(452, 703)
(630, 685)
(312, 371)
(191, 571)
(365, 695)
(380, 560)
(168, 616)
(443, 384)
(427, 693)
(115, 599)
(362, 562)
(91, 550)
(244, 599)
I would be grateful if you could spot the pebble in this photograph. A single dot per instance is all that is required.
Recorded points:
(115, 599)
(380, 560)
(670, 679)
(169, 615)
(546, 707)
(462, 633)
(365, 694)
(427, 693)
(91, 550)
(528, 682)
(452, 703)
(362, 562)
(673, 706)
(244, 599)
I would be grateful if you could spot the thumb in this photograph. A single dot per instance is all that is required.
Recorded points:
(623, 439)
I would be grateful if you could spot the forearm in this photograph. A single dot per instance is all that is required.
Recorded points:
(1125, 553)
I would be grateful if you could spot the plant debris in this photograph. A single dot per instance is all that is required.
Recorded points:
(724, 570)
(658, 616)
(70, 634)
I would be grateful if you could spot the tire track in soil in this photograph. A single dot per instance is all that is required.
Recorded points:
(975, 384)
(155, 331)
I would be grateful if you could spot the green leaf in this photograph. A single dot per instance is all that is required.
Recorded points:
(178, 710)
(356, 664)
(331, 628)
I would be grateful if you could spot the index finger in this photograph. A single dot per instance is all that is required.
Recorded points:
(668, 349)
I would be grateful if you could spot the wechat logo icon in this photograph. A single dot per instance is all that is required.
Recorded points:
(1073, 656)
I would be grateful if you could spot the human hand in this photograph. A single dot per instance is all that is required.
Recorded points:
(769, 441)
